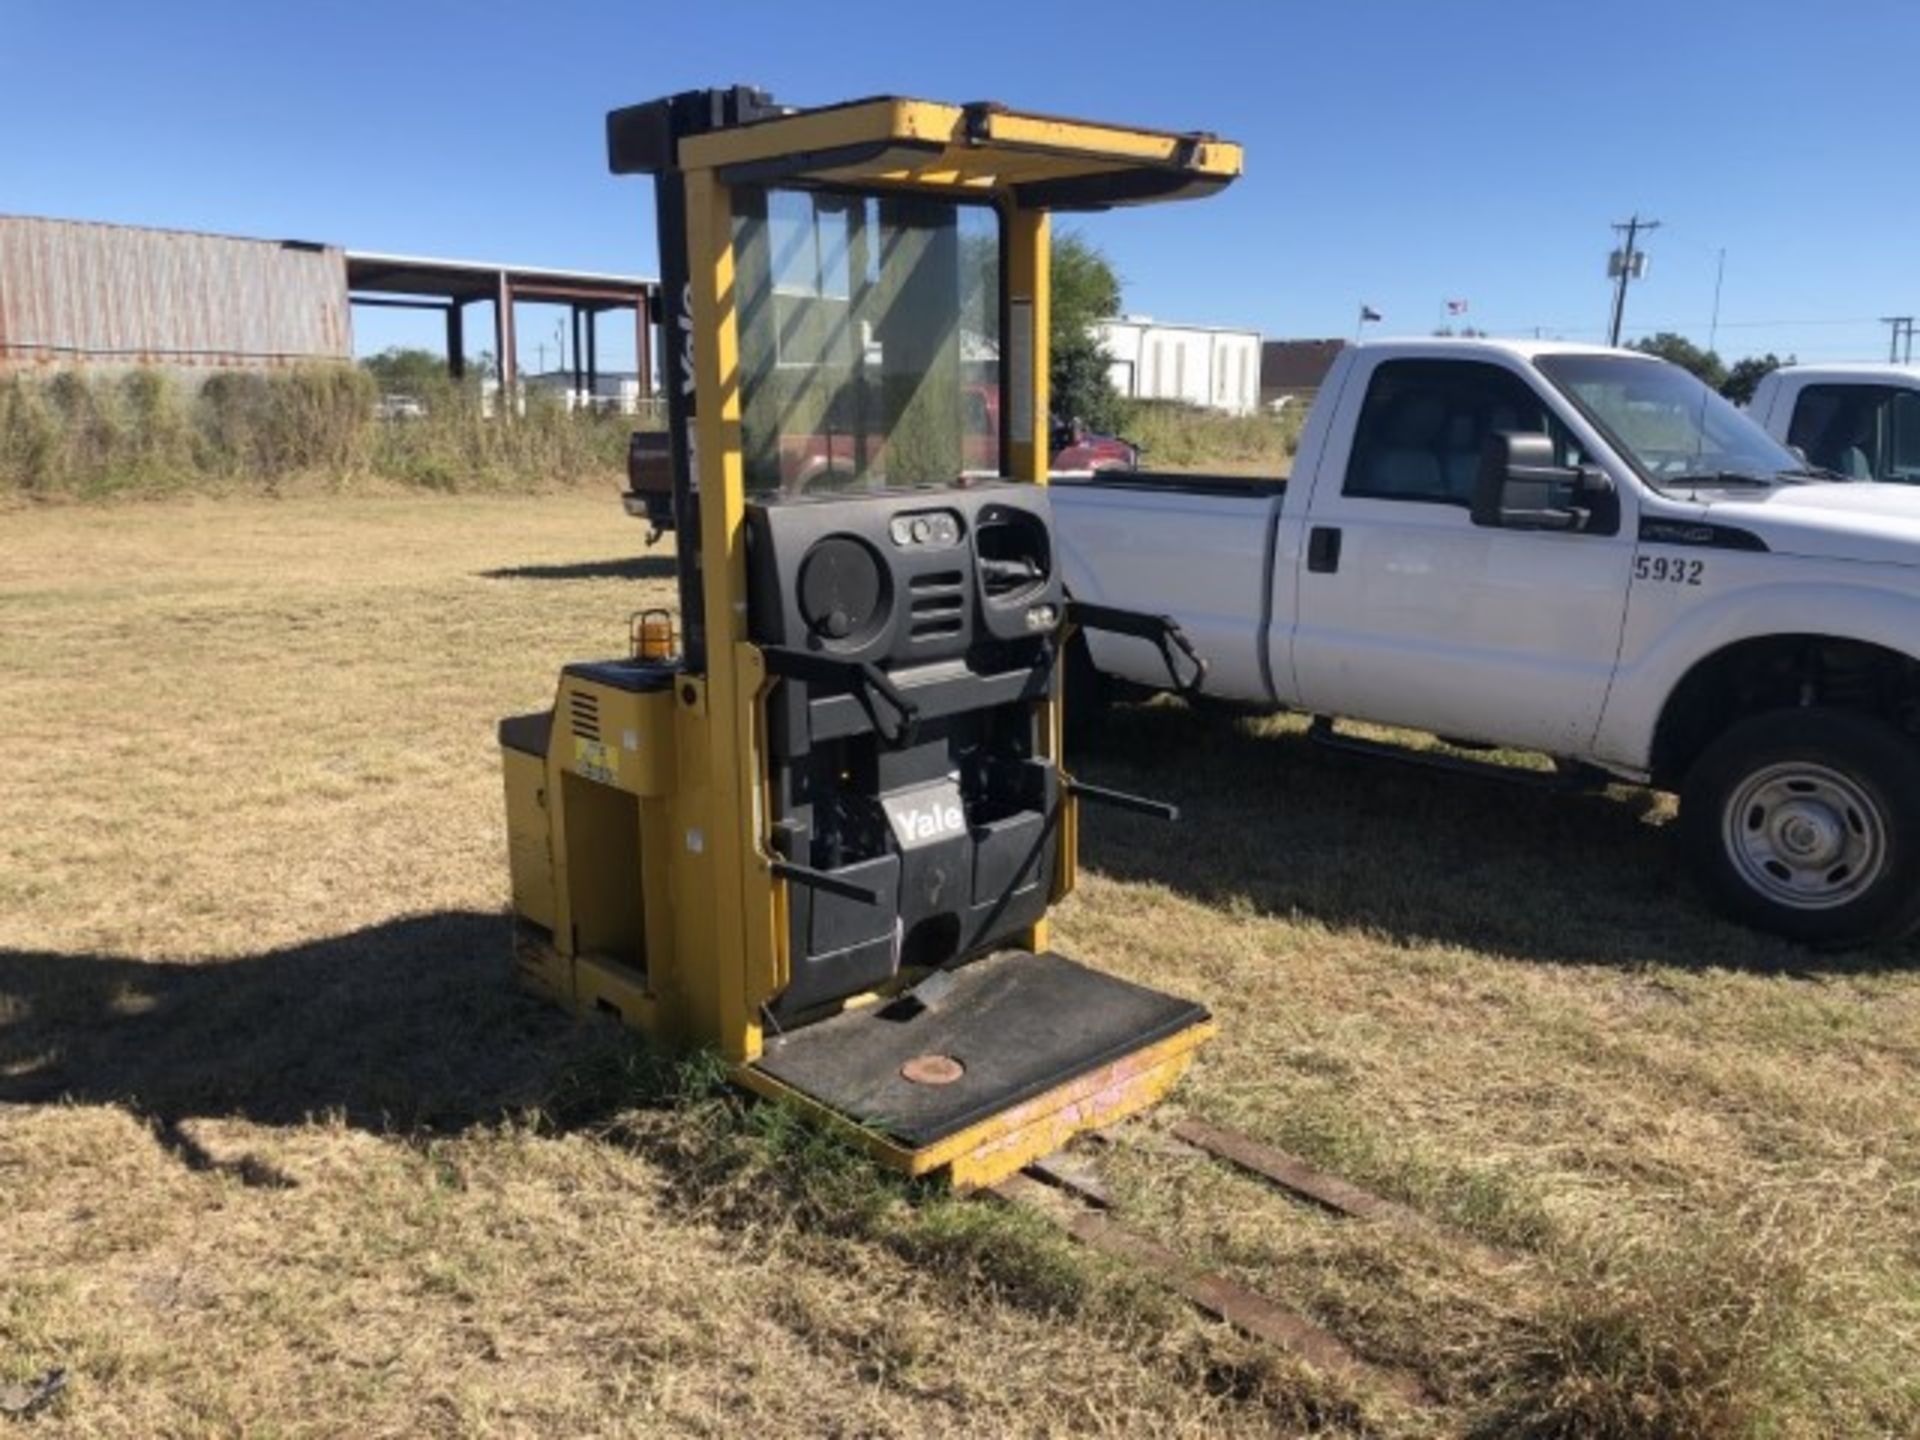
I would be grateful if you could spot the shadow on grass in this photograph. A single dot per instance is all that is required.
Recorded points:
(414, 1029)
(637, 567)
(411, 1026)
(1270, 820)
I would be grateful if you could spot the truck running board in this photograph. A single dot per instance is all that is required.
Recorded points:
(1567, 776)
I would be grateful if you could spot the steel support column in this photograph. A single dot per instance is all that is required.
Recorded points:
(579, 370)
(593, 352)
(456, 340)
(505, 355)
(643, 343)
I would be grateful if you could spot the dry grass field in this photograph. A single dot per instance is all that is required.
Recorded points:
(281, 1153)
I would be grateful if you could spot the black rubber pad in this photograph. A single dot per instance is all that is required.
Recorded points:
(1019, 1023)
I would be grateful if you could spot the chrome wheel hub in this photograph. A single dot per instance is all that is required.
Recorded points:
(1805, 836)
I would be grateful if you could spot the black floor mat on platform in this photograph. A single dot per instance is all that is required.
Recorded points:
(1019, 1023)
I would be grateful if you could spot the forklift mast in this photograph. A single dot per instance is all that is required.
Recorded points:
(643, 139)
(824, 839)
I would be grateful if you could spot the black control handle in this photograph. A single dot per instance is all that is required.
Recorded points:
(865, 681)
(1162, 630)
(1121, 800)
(798, 874)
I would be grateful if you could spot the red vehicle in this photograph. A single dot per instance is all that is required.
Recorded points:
(1077, 448)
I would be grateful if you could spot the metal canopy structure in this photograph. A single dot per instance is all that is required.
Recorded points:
(1031, 161)
(412, 282)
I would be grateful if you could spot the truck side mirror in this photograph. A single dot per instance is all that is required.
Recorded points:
(1522, 486)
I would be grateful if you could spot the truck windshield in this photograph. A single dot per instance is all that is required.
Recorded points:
(869, 335)
(1672, 428)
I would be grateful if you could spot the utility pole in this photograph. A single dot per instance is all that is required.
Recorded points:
(1719, 275)
(1899, 333)
(1629, 262)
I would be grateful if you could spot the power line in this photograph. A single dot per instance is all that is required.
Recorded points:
(1770, 324)
(1681, 326)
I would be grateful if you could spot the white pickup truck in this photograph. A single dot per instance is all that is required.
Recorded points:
(1860, 421)
(1576, 551)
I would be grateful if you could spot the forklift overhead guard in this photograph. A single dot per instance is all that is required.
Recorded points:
(1040, 161)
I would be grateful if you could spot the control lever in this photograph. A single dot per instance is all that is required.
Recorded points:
(1014, 571)
(797, 874)
(1163, 631)
(1121, 800)
(864, 680)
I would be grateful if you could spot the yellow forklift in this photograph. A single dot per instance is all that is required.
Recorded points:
(822, 839)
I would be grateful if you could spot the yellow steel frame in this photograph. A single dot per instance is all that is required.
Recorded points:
(1010, 146)
(728, 905)
(996, 1147)
(717, 955)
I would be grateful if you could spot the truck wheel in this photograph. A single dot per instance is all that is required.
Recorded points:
(1087, 696)
(1807, 823)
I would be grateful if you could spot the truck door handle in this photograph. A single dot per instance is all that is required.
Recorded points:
(1323, 549)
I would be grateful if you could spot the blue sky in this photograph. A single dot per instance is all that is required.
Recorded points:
(1399, 153)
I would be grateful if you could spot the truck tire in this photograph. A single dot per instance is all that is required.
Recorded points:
(1806, 823)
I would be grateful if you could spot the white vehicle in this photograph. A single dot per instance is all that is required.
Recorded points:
(1578, 551)
(399, 407)
(1860, 421)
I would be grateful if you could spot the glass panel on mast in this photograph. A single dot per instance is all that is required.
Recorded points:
(869, 336)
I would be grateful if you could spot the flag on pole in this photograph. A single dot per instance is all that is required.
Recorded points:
(1368, 314)
(1456, 307)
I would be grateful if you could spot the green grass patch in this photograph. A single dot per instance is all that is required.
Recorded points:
(764, 1168)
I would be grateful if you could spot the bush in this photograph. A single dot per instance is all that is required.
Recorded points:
(1174, 436)
(82, 435)
(275, 426)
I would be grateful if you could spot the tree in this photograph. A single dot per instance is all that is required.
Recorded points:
(400, 370)
(1085, 290)
(1706, 364)
(1746, 376)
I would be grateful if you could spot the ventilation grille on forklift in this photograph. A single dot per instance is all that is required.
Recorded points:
(938, 606)
(585, 708)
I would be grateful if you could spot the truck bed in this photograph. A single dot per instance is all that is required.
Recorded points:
(1191, 546)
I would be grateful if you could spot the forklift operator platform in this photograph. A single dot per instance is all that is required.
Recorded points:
(824, 838)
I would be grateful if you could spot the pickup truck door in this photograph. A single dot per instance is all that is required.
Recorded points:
(1408, 613)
